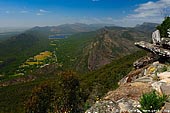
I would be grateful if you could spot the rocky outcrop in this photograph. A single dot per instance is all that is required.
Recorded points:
(149, 74)
(144, 61)
(156, 49)
(133, 75)
(165, 42)
(130, 90)
(154, 76)
(145, 74)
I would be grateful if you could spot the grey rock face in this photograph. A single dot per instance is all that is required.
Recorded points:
(121, 106)
(156, 37)
(165, 89)
(105, 106)
(128, 105)
(157, 86)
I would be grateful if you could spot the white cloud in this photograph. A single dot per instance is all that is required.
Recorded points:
(148, 12)
(156, 9)
(43, 11)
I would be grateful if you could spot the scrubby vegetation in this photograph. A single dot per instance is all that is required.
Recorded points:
(151, 102)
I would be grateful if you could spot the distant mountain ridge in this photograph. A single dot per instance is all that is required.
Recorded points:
(146, 27)
(71, 28)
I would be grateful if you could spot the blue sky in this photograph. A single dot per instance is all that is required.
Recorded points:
(29, 13)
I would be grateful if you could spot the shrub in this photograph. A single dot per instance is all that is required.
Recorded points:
(151, 102)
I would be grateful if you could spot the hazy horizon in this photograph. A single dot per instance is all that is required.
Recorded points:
(31, 13)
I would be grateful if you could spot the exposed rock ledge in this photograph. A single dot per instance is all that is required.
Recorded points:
(156, 49)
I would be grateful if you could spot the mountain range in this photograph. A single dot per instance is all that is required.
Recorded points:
(88, 48)
(146, 27)
(71, 28)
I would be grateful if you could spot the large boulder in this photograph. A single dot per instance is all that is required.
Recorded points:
(157, 86)
(130, 90)
(165, 89)
(128, 105)
(156, 38)
(164, 77)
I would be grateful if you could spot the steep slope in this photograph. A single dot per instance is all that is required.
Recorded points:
(109, 43)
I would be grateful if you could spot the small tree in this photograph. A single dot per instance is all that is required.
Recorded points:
(151, 102)
(164, 27)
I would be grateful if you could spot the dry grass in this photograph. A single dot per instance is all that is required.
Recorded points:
(38, 59)
(42, 56)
